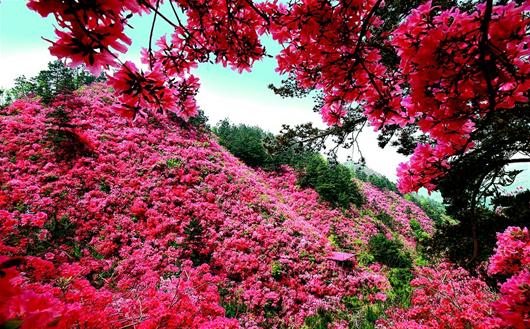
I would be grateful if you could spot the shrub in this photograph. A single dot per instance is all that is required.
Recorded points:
(389, 252)
(386, 219)
(401, 290)
(376, 180)
(276, 270)
(419, 233)
(383, 183)
(443, 297)
(321, 320)
(434, 209)
(512, 259)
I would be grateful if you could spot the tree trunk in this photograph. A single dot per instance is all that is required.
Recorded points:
(475, 238)
(474, 234)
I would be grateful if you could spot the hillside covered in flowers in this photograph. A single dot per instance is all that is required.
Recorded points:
(108, 223)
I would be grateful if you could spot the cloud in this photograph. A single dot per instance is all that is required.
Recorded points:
(19, 62)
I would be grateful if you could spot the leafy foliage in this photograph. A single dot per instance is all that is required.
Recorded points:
(387, 220)
(244, 142)
(333, 182)
(452, 238)
(389, 252)
(401, 289)
(379, 181)
(420, 234)
(481, 175)
(435, 210)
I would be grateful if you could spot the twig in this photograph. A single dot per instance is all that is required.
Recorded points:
(151, 36)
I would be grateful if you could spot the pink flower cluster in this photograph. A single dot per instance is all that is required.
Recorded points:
(153, 224)
(444, 297)
(443, 58)
(512, 259)
(92, 33)
(512, 254)
(447, 297)
(402, 211)
(68, 299)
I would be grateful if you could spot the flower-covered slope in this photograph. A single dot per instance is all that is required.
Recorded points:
(118, 224)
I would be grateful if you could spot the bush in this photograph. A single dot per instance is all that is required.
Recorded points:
(383, 183)
(321, 320)
(376, 180)
(276, 270)
(401, 290)
(419, 233)
(389, 252)
(443, 297)
(387, 220)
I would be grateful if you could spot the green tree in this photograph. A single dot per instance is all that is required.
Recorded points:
(47, 84)
(244, 142)
(333, 181)
(451, 238)
(389, 252)
(479, 176)
(252, 145)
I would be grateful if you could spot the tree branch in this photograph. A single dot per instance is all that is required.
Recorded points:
(259, 12)
(151, 36)
(364, 29)
(483, 46)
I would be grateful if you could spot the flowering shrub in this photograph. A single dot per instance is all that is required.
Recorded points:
(397, 214)
(153, 224)
(447, 297)
(512, 258)
(512, 254)
(444, 297)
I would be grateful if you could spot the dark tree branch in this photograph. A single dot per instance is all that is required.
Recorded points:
(364, 29)
(259, 12)
(151, 36)
(148, 5)
(483, 46)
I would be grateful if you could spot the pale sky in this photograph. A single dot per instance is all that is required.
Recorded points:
(243, 98)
